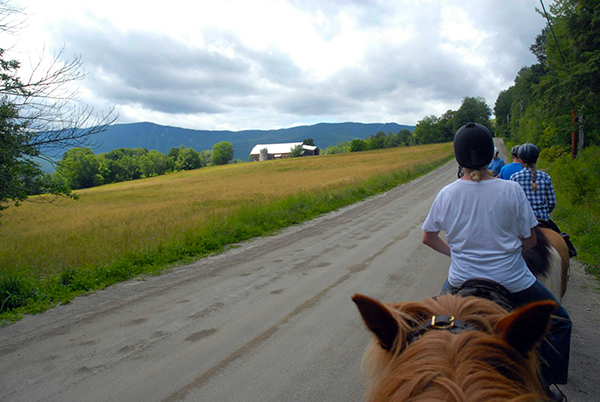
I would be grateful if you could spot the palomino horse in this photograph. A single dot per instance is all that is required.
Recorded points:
(549, 261)
(453, 348)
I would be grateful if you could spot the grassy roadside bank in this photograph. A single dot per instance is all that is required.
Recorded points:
(32, 279)
(577, 186)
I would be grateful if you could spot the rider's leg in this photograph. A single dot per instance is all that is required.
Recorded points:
(556, 347)
(448, 289)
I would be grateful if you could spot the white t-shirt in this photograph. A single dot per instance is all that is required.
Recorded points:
(483, 221)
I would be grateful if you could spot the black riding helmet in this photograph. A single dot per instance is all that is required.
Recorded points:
(528, 153)
(514, 152)
(473, 146)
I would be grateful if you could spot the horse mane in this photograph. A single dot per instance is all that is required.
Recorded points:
(444, 366)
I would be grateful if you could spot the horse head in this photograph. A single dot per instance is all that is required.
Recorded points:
(453, 348)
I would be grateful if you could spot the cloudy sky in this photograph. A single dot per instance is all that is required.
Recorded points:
(262, 64)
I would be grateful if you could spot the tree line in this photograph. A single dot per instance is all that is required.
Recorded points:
(380, 140)
(431, 129)
(560, 94)
(81, 168)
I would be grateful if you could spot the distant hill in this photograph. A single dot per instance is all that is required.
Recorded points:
(163, 138)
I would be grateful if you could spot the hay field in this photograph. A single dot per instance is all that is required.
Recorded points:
(139, 216)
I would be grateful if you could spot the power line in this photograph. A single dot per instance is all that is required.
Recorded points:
(553, 35)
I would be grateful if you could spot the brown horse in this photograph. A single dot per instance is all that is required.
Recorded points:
(549, 261)
(471, 350)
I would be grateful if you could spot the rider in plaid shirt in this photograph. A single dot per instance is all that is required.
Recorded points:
(542, 201)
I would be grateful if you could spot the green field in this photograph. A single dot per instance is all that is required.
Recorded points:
(51, 252)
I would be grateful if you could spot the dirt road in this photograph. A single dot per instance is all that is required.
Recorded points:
(270, 320)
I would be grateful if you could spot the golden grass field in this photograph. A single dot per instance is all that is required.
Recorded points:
(111, 220)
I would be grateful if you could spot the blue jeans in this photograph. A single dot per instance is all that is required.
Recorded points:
(555, 349)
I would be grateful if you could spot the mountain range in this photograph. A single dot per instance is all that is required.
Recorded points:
(163, 138)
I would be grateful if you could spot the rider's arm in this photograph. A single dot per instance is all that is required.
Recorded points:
(433, 240)
(529, 242)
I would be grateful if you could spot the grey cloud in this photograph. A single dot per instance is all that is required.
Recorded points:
(158, 73)
(316, 103)
(162, 74)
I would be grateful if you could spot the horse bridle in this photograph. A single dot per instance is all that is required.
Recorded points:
(478, 287)
(443, 323)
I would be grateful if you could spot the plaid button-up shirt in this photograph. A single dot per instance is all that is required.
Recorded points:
(542, 201)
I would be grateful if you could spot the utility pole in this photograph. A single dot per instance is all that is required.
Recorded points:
(574, 136)
(581, 135)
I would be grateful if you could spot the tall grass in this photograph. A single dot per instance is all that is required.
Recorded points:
(50, 253)
(577, 186)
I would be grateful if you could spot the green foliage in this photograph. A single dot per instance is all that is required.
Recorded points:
(473, 110)
(80, 168)
(297, 151)
(427, 130)
(154, 163)
(222, 153)
(433, 129)
(357, 145)
(578, 179)
(188, 159)
(206, 157)
(502, 111)
(174, 152)
(404, 136)
(15, 290)
(309, 141)
(566, 79)
(577, 186)
(374, 143)
(38, 117)
(340, 148)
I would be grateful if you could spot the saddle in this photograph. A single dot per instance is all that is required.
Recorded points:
(549, 224)
(488, 289)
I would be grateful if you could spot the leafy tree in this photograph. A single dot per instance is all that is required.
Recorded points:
(404, 136)
(472, 109)
(572, 78)
(80, 168)
(340, 148)
(39, 117)
(309, 141)
(222, 153)
(502, 110)
(174, 152)
(357, 145)
(154, 163)
(391, 140)
(446, 127)
(188, 159)
(297, 151)
(121, 164)
(375, 142)
(427, 131)
(205, 157)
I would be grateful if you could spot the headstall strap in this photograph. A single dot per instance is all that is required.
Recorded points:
(441, 323)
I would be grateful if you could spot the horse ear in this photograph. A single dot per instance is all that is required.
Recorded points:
(378, 319)
(525, 327)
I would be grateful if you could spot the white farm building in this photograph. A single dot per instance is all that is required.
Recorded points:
(263, 152)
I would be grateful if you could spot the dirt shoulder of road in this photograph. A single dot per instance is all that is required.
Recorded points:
(582, 301)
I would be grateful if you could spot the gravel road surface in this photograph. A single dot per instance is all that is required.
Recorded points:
(269, 320)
